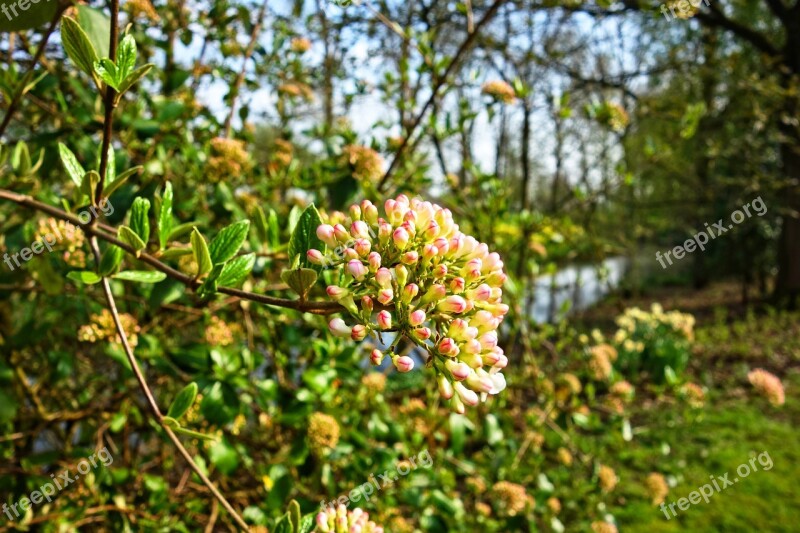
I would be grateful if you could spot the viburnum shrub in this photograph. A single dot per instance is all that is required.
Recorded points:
(436, 287)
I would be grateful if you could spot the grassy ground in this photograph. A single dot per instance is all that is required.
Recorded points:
(734, 426)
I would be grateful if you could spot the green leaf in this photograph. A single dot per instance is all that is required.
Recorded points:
(126, 56)
(209, 286)
(35, 16)
(129, 237)
(236, 270)
(275, 230)
(307, 523)
(84, 276)
(183, 401)
(300, 281)
(71, 164)
(140, 220)
(111, 167)
(120, 180)
(141, 276)
(78, 46)
(89, 184)
(165, 216)
(106, 70)
(228, 241)
(201, 254)
(294, 515)
(195, 434)
(284, 525)
(134, 77)
(304, 237)
(111, 260)
(97, 26)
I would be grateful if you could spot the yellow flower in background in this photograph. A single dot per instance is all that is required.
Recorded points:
(768, 385)
(365, 163)
(102, 328)
(657, 488)
(500, 91)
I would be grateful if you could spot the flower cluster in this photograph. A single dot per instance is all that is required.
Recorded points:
(323, 433)
(70, 239)
(768, 385)
(343, 521)
(431, 284)
(229, 159)
(657, 488)
(499, 90)
(510, 499)
(607, 478)
(300, 45)
(365, 163)
(103, 328)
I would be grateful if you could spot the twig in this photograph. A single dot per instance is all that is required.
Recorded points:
(465, 46)
(240, 79)
(112, 306)
(110, 103)
(319, 308)
(12, 107)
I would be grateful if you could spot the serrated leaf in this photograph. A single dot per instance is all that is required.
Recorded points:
(165, 216)
(97, 25)
(129, 237)
(228, 241)
(300, 281)
(141, 276)
(89, 184)
(140, 218)
(78, 46)
(84, 276)
(201, 254)
(304, 237)
(71, 164)
(183, 401)
(236, 270)
(134, 77)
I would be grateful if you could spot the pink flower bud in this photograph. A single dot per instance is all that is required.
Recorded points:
(359, 332)
(429, 251)
(496, 278)
(459, 370)
(325, 233)
(362, 247)
(489, 340)
(404, 364)
(479, 383)
(359, 229)
(458, 406)
(385, 320)
(367, 305)
(383, 277)
(322, 523)
(442, 244)
(355, 212)
(374, 261)
(457, 285)
(416, 318)
(422, 334)
(453, 304)
(339, 328)
(400, 238)
(341, 234)
(376, 357)
(431, 231)
(448, 347)
(336, 292)
(315, 257)
(440, 271)
(410, 292)
(384, 232)
(357, 269)
(445, 387)
(472, 347)
(350, 254)
(369, 212)
(385, 296)
(467, 396)
(435, 293)
(410, 258)
(481, 294)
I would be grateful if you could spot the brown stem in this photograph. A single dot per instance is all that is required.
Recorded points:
(12, 107)
(112, 306)
(110, 103)
(320, 308)
(465, 46)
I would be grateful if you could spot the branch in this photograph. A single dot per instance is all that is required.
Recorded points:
(12, 107)
(465, 46)
(112, 306)
(718, 19)
(110, 103)
(319, 308)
